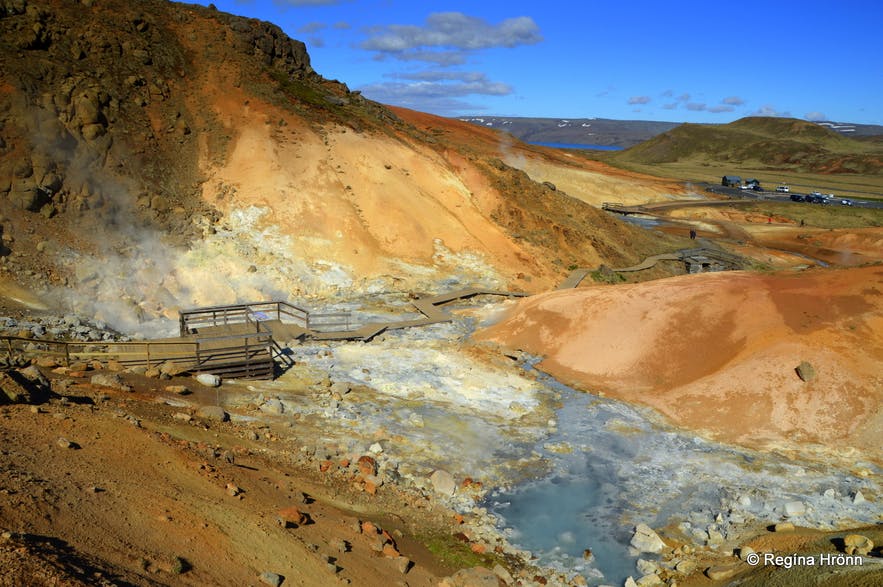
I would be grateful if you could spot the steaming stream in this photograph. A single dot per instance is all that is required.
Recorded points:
(573, 471)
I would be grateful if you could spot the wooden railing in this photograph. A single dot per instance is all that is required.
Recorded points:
(329, 321)
(248, 351)
(191, 320)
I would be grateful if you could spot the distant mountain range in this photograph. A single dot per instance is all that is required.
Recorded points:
(607, 132)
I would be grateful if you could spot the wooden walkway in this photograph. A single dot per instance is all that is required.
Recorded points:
(702, 256)
(236, 341)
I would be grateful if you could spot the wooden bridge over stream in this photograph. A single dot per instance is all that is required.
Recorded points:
(238, 340)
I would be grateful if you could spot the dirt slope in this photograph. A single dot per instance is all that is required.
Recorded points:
(204, 151)
(718, 352)
(139, 488)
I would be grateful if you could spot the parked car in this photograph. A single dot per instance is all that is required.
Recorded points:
(756, 187)
(815, 199)
(845, 202)
(783, 189)
(796, 198)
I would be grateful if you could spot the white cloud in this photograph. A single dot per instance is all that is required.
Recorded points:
(720, 108)
(443, 58)
(815, 116)
(733, 101)
(683, 97)
(696, 106)
(770, 110)
(453, 30)
(439, 92)
(307, 2)
(639, 100)
(312, 27)
(670, 106)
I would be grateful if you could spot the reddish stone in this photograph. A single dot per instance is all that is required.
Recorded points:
(345, 463)
(370, 488)
(387, 537)
(390, 551)
(369, 528)
(478, 548)
(293, 516)
(367, 465)
(324, 466)
(459, 519)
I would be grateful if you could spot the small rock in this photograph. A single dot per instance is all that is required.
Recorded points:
(805, 371)
(744, 552)
(273, 406)
(233, 490)
(178, 389)
(443, 482)
(215, 413)
(182, 416)
(208, 379)
(651, 580)
(857, 544)
(795, 508)
(367, 465)
(783, 527)
(375, 448)
(292, 517)
(504, 575)
(403, 564)
(65, 443)
(646, 540)
(111, 380)
(172, 369)
(721, 572)
(858, 498)
(270, 578)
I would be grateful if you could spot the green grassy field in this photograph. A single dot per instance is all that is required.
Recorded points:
(849, 185)
(803, 155)
(818, 215)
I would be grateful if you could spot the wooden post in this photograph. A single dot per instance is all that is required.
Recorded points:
(247, 362)
(198, 360)
(148, 355)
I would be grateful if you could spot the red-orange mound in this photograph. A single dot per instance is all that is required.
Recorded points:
(717, 352)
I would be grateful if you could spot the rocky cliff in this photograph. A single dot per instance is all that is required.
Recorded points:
(154, 155)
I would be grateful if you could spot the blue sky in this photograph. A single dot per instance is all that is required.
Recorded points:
(651, 60)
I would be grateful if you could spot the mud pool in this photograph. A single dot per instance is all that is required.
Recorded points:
(572, 471)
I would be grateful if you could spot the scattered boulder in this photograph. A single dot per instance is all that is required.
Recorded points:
(367, 465)
(215, 413)
(721, 572)
(744, 553)
(208, 379)
(857, 544)
(172, 369)
(805, 371)
(783, 527)
(504, 575)
(474, 577)
(646, 540)
(795, 508)
(178, 389)
(403, 564)
(111, 380)
(443, 482)
(273, 406)
(272, 579)
(17, 389)
(292, 517)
